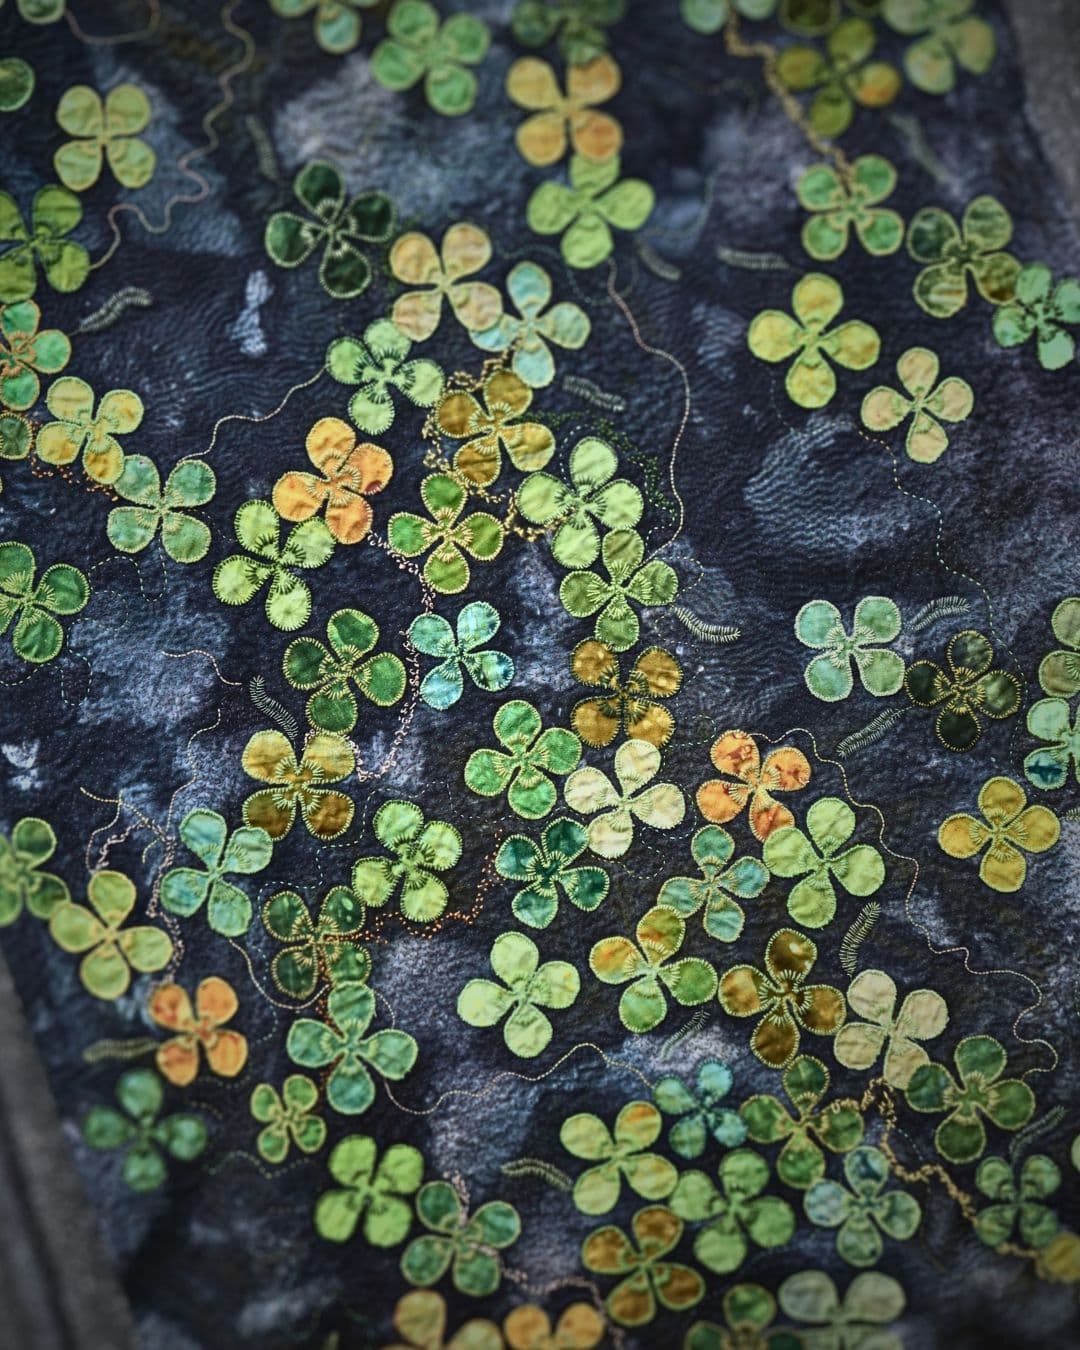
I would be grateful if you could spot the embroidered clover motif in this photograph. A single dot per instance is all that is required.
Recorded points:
(629, 706)
(589, 790)
(844, 75)
(79, 429)
(864, 1209)
(876, 620)
(721, 880)
(737, 1212)
(950, 252)
(839, 203)
(298, 783)
(105, 131)
(340, 1044)
(530, 756)
(701, 1115)
(465, 249)
(164, 510)
(577, 25)
(528, 1327)
(467, 1246)
(585, 211)
(287, 1118)
(458, 649)
(1049, 720)
(545, 869)
(1009, 829)
(330, 672)
(340, 226)
(215, 1004)
(142, 1133)
(337, 25)
(422, 849)
(737, 755)
(54, 213)
(30, 351)
(1059, 672)
(709, 16)
(621, 1153)
(348, 475)
(373, 1192)
(246, 851)
(559, 118)
(527, 987)
(485, 428)
(593, 494)
(239, 578)
(629, 578)
(648, 968)
(445, 534)
(61, 589)
(378, 366)
(775, 336)
(646, 1278)
(872, 995)
(316, 949)
(1017, 1201)
(968, 688)
(16, 437)
(112, 950)
(871, 1301)
(925, 400)
(420, 47)
(1040, 310)
(749, 1312)
(818, 859)
(781, 996)
(954, 37)
(17, 78)
(22, 883)
(565, 324)
(978, 1090)
(420, 1320)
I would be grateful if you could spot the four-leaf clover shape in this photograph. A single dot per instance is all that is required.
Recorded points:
(319, 947)
(239, 578)
(700, 1110)
(348, 475)
(737, 1212)
(1017, 1200)
(112, 950)
(287, 1118)
(872, 1300)
(421, 850)
(721, 881)
(843, 75)
(30, 351)
(629, 578)
(629, 705)
(184, 537)
(420, 46)
(216, 1003)
(1040, 309)
(953, 37)
(648, 969)
(522, 768)
(819, 860)
(736, 754)
(466, 1245)
(82, 429)
(1009, 829)
(54, 213)
(872, 995)
(969, 687)
(185, 889)
(864, 1209)
(61, 589)
(646, 1277)
(617, 1154)
(819, 625)
(839, 202)
(490, 427)
(458, 649)
(298, 784)
(949, 252)
(545, 868)
(369, 1190)
(564, 324)
(1059, 671)
(557, 118)
(140, 1130)
(414, 260)
(527, 987)
(329, 672)
(584, 211)
(1050, 720)
(926, 400)
(589, 790)
(749, 1309)
(22, 883)
(105, 130)
(445, 534)
(377, 366)
(337, 24)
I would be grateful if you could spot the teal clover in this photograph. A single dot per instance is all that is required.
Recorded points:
(377, 366)
(54, 213)
(840, 203)
(700, 1110)
(340, 225)
(737, 1212)
(138, 1129)
(341, 1042)
(329, 672)
(829, 676)
(269, 562)
(246, 851)
(316, 947)
(565, 324)
(184, 537)
(420, 47)
(1049, 720)
(522, 767)
(1017, 1201)
(1040, 310)
(585, 211)
(545, 868)
(467, 1246)
(337, 24)
(720, 882)
(629, 578)
(32, 607)
(822, 860)
(375, 1193)
(577, 25)
(864, 1209)
(22, 883)
(477, 623)
(421, 849)
(527, 987)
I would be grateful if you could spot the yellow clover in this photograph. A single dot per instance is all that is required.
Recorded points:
(1009, 826)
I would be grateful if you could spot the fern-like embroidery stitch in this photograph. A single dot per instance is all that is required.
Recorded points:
(857, 934)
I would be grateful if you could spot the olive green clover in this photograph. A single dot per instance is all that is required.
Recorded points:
(925, 400)
(527, 987)
(970, 687)
(838, 203)
(1017, 1201)
(61, 589)
(54, 213)
(721, 881)
(1009, 829)
(583, 593)
(377, 366)
(954, 37)
(545, 869)
(866, 1210)
(949, 252)
(370, 1191)
(269, 562)
(648, 969)
(140, 1131)
(112, 951)
(1059, 672)
(522, 768)
(700, 1110)
(286, 1118)
(820, 862)
(184, 537)
(328, 672)
(447, 536)
(467, 1246)
(246, 851)
(421, 850)
(16, 437)
(621, 1153)
(594, 201)
(709, 16)
(29, 351)
(577, 25)
(1041, 310)
(316, 948)
(843, 75)
(819, 625)
(775, 336)
(105, 131)
(749, 1312)
(837, 1126)
(337, 24)
(872, 1299)
(22, 883)
(419, 46)
(17, 81)
(737, 1213)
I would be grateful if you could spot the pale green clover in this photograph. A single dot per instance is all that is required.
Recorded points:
(578, 25)
(1017, 1202)
(593, 495)
(820, 862)
(477, 623)
(954, 37)
(872, 996)
(837, 1126)
(1059, 672)
(104, 131)
(32, 843)
(855, 1323)
(445, 534)
(378, 366)
(527, 987)
(421, 850)
(925, 400)
(1049, 720)
(709, 16)
(720, 882)
(341, 1042)
(828, 677)
(138, 1129)
(419, 46)
(337, 24)
(565, 324)
(329, 672)
(184, 538)
(287, 1118)
(617, 1154)
(589, 790)
(775, 336)
(840, 202)
(369, 1191)
(648, 968)
(521, 769)
(864, 1209)
(29, 351)
(949, 252)
(40, 11)
(1040, 309)
(61, 589)
(54, 213)
(545, 869)
(185, 889)
(466, 1246)
(586, 210)
(239, 578)
(112, 951)
(737, 1213)
(316, 948)
(700, 1110)
(649, 584)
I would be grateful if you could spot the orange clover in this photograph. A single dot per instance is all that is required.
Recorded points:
(735, 753)
(350, 473)
(215, 1004)
(532, 84)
